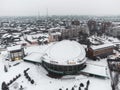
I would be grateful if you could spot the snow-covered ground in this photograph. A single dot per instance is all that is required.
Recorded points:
(43, 82)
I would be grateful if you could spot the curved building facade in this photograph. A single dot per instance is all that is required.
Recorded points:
(65, 57)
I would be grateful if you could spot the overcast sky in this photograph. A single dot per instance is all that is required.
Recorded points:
(59, 7)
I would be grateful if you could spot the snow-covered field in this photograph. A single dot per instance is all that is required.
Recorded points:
(43, 82)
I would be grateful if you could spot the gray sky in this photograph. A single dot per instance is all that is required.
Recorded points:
(59, 7)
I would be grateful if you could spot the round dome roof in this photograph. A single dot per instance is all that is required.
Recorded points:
(65, 51)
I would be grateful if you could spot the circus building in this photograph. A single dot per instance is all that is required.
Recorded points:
(65, 57)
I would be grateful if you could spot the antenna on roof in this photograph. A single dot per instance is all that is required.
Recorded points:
(47, 15)
(38, 14)
(47, 12)
(46, 18)
(49, 32)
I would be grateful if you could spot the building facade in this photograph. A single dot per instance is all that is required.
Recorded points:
(64, 57)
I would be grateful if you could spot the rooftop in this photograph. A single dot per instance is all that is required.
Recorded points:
(64, 52)
(34, 57)
(102, 46)
(13, 48)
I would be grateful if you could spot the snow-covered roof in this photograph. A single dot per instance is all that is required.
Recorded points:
(6, 35)
(96, 70)
(13, 48)
(116, 27)
(36, 36)
(34, 57)
(102, 46)
(54, 28)
(65, 52)
(56, 33)
(44, 39)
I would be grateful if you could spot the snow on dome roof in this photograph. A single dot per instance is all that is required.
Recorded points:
(65, 51)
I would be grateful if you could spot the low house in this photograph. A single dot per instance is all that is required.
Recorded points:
(16, 52)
